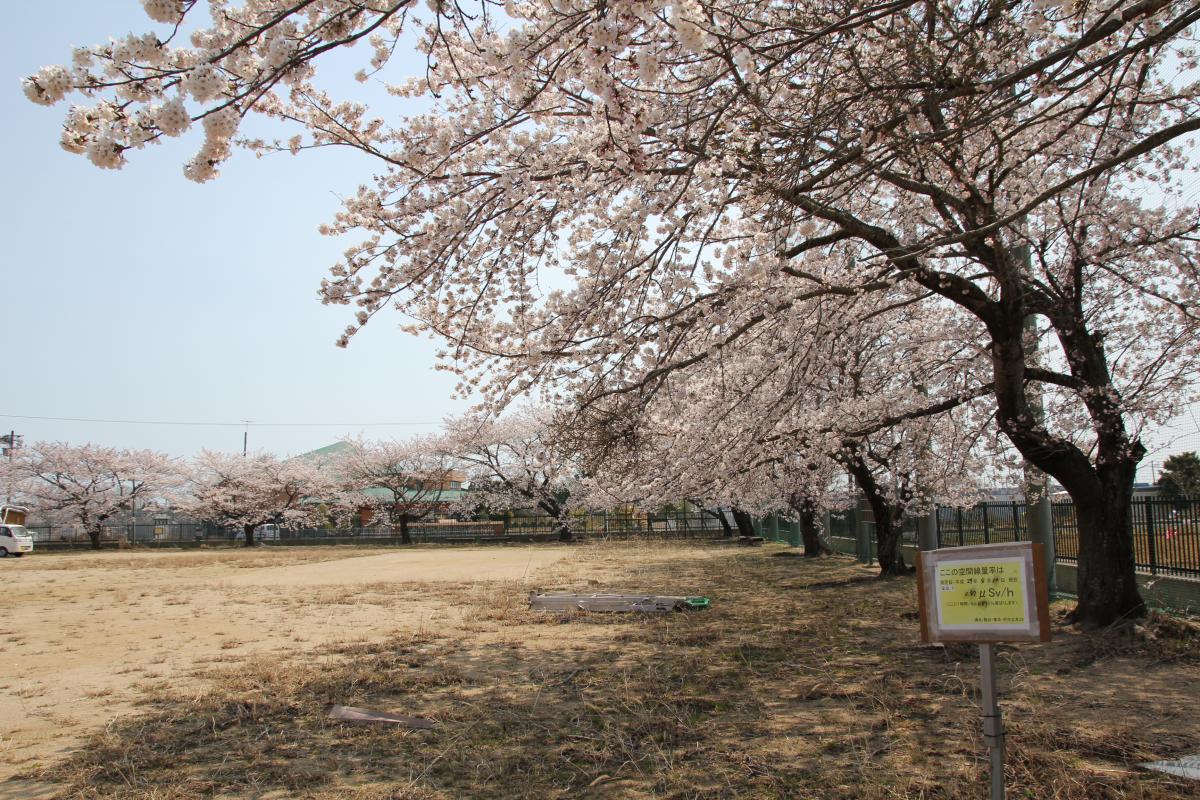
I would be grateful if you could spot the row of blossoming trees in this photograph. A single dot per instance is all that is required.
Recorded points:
(752, 235)
(508, 463)
(555, 463)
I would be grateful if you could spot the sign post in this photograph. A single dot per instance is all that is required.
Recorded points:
(993, 725)
(986, 594)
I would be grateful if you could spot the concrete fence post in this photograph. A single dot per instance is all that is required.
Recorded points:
(927, 531)
(1040, 522)
(863, 536)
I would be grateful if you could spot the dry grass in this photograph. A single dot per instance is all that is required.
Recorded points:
(804, 680)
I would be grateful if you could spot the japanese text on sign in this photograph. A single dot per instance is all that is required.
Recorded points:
(985, 593)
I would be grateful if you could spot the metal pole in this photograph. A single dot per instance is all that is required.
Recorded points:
(993, 725)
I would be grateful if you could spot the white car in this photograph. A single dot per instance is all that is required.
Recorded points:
(14, 541)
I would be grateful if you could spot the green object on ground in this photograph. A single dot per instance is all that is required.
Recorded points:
(697, 603)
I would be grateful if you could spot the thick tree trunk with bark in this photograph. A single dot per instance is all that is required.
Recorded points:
(744, 522)
(888, 519)
(1105, 575)
(810, 531)
(1102, 492)
(561, 519)
(887, 540)
(94, 536)
(719, 515)
(248, 535)
(405, 535)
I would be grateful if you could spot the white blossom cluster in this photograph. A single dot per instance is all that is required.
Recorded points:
(172, 117)
(219, 129)
(166, 11)
(144, 80)
(48, 86)
(204, 83)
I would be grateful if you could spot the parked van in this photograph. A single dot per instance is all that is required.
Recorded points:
(267, 533)
(14, 538)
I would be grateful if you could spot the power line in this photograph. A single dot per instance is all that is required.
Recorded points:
(217, 424)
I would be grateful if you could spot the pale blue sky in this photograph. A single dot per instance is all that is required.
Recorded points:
(138, 295)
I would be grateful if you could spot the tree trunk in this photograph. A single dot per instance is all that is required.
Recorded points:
(248, 532)
(745, 523)
(887, 541)
(562, 519)
(405, 536)
(1106, 579)
(1102, 492)
(94, 536)
(887, 520)
(719, 515)
(810, 532)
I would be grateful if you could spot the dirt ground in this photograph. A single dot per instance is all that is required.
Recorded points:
(209, 674)
(84, 635)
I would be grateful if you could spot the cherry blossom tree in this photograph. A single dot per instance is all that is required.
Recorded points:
(248, 491)
(896, 400)
(680, 172)
(87, 485)
(515, 463)
(401, 482)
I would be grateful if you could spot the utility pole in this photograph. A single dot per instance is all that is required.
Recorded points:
(246, 436)
(132, 510)
(13, 441)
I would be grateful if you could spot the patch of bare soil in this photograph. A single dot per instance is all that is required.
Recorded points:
(84, 636)
(802, 681)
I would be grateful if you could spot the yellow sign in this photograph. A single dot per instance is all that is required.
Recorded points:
(984, 593)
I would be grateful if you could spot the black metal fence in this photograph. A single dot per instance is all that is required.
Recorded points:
(595, 526)
(986, 523)
(612, 525)
(1166, 533)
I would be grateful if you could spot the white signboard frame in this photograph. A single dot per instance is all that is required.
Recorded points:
(983, 593)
